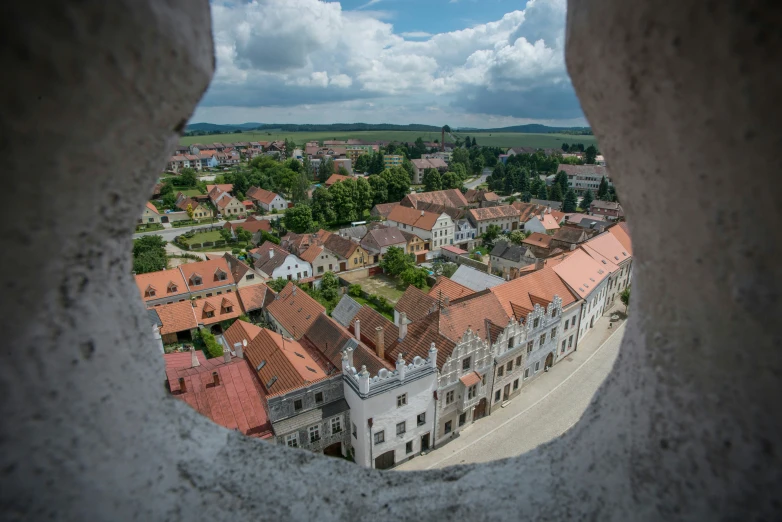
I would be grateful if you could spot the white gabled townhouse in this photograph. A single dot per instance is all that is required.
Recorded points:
(437, 230)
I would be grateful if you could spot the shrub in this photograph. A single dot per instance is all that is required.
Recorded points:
(208, 244)
(236, 251)
(220, 242)
(196, 245)
(355, 290)
(213, 348)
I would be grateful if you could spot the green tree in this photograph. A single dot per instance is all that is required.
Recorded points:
(243, 235)
(542, 192)
(459, 170)
(169, 200)
(570, 203)
(555, 193)
(150, 243)
(329, 286)
(398, 182)
(301, 187)
(474, 143)
(323, 206)
(419, 149)
(266, 236)
(396, 261)
(415, 276)
(432, 180)
(225, 234)
(354, 290)
(467, 143)
(451, 181)
(602, 190)
(561, 180)
(516, 237)
(565, 147)
(379, 188)
(462, 157)
(343, 197)
(587, 200)
(477, 165)
(491, 234)
(293, 164)
(188, 178)
(376, 166)
(590, 154)
(326, 169)
(364, 196)
(277, 284)
(189, 211)
(363, 163)
(625, 297)
(149, 261)
(298, 218)
(167, 188)
(306, 167)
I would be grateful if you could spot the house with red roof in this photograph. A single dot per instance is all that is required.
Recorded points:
(267, 200)
(150, 214)
(435, 229)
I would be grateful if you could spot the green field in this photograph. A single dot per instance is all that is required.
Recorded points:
(496, 139)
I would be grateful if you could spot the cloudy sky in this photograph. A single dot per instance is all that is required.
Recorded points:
(478, 63)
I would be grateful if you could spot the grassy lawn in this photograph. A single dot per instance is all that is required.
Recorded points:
(384, 286)
(494, 139)
(149, 227)
(363, 301)
(202, 237)
(191, 192)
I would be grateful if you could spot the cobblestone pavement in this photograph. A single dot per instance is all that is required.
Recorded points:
(544, 409)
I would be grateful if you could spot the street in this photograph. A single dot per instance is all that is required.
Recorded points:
(545, 409)
(476, 182)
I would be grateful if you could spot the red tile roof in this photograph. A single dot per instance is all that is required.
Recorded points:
(176, 317)
(415, 304)
(341, 246)
(311, 254)
(470, 379)
(336, 178)
(164, 283)
(219, 305)
(180, 360)
(582, 273)
(370, 320)
(210, 272)
(609, 247)
(236, 403)
(448, 288)
(498, 212)
(538, 239)
(329, 338)
(255, 297)
(541, 284)
(262, 195)
(449, 198)
(268, 257)
(152, 207)
(239, 332)
(295, 310)
(224, 187)
(622, 233)
(414, 218)
(251, 224)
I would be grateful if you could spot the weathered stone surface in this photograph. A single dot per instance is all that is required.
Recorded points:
(684, 99)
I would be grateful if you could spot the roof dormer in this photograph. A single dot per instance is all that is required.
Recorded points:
(150, 291)
(209, 310)
(220, 275)
(172, 288)
(195, 280)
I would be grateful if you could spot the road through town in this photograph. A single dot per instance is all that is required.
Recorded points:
(545, 409)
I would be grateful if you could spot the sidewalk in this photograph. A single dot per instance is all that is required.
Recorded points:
(544, 409)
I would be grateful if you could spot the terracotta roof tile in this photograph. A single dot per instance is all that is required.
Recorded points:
(210, 272)
(223, 307)
(449, 198)
(311, 254)
(262, 195)
(515, 295)
(240, 331)
(295, 310)
(448, 288)
(268, 257)
(582, 273)
(415, 304)
(340, 246)
(329, 338)
(470, 379)
(251, 224)
(538, 239)
(383, 209)
(181, 360)
(255, 297)
(414, 218)
(336, 178)
(152, 207)
(163, 283)
(498, 212)
(609, 247)
(622, 233)
(223, 187)
(370, 320)
(236, 403)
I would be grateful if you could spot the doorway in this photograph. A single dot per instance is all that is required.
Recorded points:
(506, 393)
(385, 461)
(592, 322)
(549, 361)
(333, 450)
(343, 266)
(480, 410)
(425, 442)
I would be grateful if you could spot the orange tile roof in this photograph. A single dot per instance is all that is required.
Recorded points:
(262, 195)
(240, 331)
(538, 239)
(415, 304)
(370, 320)
(335, 178)
(224, 187)
(311, 254)
(237, 403)
(251, 224)
(176, 317)
(548, 222)
(328, 338)
(414, 218)
(450, 198)
(208, 271)
(519, 292)
(622, 233)
(254, 297)
(448, 288)
(179, 360)
(295, 310)
(161, 282)
(472, 313)
(498, 212)
(281, 364)
(608, 246)
(152, 207)
(582, 273)
(341, 246)
(470, 379)
(219, 305)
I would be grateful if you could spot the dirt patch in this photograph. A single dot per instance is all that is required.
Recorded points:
(381, 285)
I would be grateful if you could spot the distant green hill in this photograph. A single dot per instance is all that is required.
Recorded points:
(203, 128)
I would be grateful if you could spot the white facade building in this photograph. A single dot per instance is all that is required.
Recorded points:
(392, 413)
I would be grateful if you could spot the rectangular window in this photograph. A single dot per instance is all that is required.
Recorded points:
(462, 419)
(319, 397)
(292, 440)
(537, 366)
(510, 343)
(497, 396)
(500, 371)
(401, 428)
(570, 342)
(466, 364)
(401, 400)
(314, 433)
(509, 366)
(515, 385)
(472, 391)
(535, 323)
(553, 332)
(542, 340)
(564, 343)
(449, 397)
(448, 427)
(526, 373)
(380, 437)
(409, 447)
(355, 430)
(421, 419)
(566, 324)
(320, 269)
(336, 425)
(518, 360)
(297, 405)
(483, 380)
(530, 345)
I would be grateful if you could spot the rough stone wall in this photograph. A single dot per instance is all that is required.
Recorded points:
(687, 427)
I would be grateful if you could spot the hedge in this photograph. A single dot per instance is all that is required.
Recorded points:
(213, 348)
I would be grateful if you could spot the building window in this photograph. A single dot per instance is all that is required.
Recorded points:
(320, 269)
(564, 343)
(209, 295)
(355, 430)
(566, 324)
(292, 440)
(518, 360)
(542, 340)
(297, 405)
(336, 425)
(466, 364)
(449, 398)
(553, 332)
(380, 437)
(515, 385)
(314, 433)
(554, 313)
(530, 345)
(526, 373)
(535, 323)
(537, 366)
(497, 396)
(409, 447)
(570, 342)
(462, 419)
(421, 419)
(472, 391)
(448, 428)
(509, 366)
(500, 371)
(319, 397)
(401, 400)
(401, 428)
(483, 380)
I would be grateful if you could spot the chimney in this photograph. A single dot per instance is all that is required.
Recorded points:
(539, 264)
(402, 326)
(293, 291)
(216, 378)
(271, 253)
(226, 354)
(380, 346)
(446, 301)
(363, 382)
(357, 330)
(182, 385)
(238, 350)
(193, 358)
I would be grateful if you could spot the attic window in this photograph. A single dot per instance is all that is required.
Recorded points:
(599, 271)
(172, 288)
(229, 309)
(310, 369)
(195, 280)
(271, 382)
(150, 293)
(220, 275)
(604, 261)
(299, 355)
(592, 279)
(624, 253)
(258, 368)
(210, 313)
